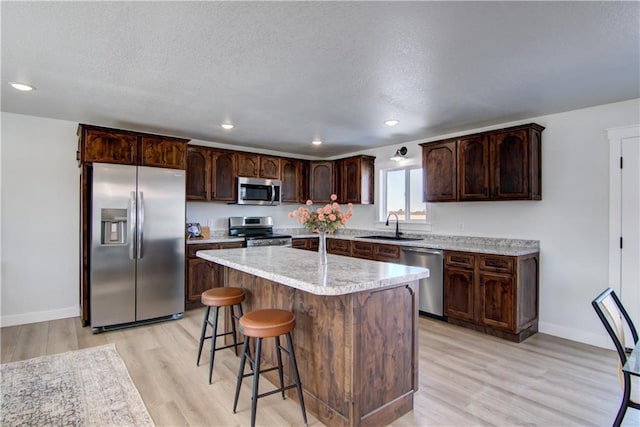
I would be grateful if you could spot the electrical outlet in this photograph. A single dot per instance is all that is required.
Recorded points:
(461, 226)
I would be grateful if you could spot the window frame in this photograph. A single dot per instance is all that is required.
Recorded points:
(409, 223)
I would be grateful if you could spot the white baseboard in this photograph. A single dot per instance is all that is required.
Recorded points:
(39, 316)
(598, 340)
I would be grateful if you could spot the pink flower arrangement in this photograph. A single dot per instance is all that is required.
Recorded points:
(328, 218)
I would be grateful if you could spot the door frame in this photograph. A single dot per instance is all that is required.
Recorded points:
(615, 136)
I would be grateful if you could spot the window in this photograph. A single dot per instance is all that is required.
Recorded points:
(402, 195)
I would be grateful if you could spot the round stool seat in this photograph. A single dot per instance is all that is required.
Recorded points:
(267, 323)
(221, 297)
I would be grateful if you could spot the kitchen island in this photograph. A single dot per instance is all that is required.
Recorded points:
(356, 335)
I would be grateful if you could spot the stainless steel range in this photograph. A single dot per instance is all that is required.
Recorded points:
(257, 231)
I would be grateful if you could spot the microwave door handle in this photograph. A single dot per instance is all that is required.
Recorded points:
(273, 194)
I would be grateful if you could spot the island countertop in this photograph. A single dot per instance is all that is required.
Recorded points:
(301, 270)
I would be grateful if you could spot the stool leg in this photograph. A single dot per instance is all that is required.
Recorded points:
(243, 359)
(256, 379)
(296, 377)
(213, 341)
(204, 330)
(233, 330)
(279, 356)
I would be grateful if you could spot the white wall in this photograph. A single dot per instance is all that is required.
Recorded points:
(40, 200)
(39, 266)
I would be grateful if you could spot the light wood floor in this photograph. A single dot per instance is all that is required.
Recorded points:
(466, 378)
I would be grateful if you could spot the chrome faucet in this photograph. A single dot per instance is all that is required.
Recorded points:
(387, 224)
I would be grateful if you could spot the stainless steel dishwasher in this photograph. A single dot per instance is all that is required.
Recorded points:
(431, 293)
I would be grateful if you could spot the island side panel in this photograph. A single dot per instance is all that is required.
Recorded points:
(351, 375)
(386, 374)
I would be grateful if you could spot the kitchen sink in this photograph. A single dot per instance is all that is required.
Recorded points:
(397, 239)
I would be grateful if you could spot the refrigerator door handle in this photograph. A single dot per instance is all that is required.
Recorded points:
(132, 225)
(140, 246)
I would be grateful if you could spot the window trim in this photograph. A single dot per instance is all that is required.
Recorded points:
(408, 223)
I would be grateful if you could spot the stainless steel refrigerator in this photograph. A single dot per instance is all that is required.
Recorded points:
(137, 244)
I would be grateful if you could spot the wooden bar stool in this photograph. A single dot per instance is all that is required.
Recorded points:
(217, 298)
(261, 324)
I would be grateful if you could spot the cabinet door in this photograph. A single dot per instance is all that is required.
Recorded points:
(473, 168)
(198, 173)
(202, 275)
(248, 165)
(163, 152)
(440, 171)
(110, 147)
(270, 167)
(223, 174)
(356, 180)
(321, 182)
(496, 300)
(510, 165)
(458, 293)
(291, 179)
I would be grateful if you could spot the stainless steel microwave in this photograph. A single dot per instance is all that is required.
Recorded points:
(258, 191)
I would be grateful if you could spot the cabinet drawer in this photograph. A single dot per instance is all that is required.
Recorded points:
(299, 243)
(502, 264)
(362, 249)
(386, 252)
(339, 247)
(459, 259)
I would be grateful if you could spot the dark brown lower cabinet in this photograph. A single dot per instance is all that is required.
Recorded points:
(202, 274)
(495, 294)
(306, 243)
(339, 247)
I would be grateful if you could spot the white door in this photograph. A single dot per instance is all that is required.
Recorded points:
(624, 217)
(630, 226)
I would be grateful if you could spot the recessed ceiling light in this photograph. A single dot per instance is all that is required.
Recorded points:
(22, 86)
(316, 142)
(392, 122)
(227, 126)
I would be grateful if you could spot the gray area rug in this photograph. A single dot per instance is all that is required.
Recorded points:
(89, 387)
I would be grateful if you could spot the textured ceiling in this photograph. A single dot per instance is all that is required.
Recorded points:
(288, 72)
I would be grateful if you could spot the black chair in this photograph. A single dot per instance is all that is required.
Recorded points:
(614, 317)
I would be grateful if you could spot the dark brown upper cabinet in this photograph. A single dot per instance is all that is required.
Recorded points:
(439, 164)
(503, 164)
(164, 152)
(198, 173)
(473, 168)
(294, 180)
(223, 174)
(257, 166)
(321, 181)
(105, 145)
(211, 174)
(356, 179)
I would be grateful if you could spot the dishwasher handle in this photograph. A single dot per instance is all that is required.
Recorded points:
(422, 250)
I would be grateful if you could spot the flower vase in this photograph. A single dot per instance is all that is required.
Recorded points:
(322, 247)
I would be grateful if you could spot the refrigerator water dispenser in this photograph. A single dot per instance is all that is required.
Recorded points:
(114, 227)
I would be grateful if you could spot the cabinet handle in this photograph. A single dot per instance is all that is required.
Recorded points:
(454, 259)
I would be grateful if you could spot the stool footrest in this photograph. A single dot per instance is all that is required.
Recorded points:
(262, 371)
(269, 393)
(219, 335)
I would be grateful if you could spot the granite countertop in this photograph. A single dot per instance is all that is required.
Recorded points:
(486, 245)
(301, 270)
